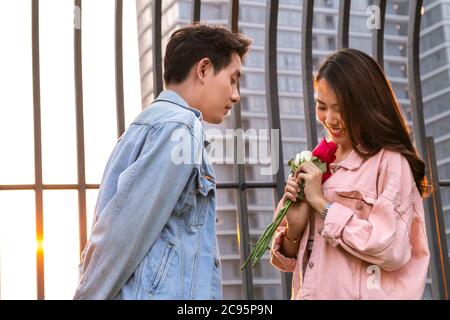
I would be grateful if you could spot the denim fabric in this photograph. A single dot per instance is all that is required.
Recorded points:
(154, 233)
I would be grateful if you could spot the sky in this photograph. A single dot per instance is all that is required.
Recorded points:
(17, 208)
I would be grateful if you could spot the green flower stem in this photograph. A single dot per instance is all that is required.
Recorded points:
(263, 242)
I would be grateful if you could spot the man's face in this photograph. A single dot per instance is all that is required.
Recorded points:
(221, 91)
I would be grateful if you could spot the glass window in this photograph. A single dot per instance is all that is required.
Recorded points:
(214, 10)
(397, 7)
(395, 69)
(396, 28)
(435, 60)
(288, 39)
(436, 83)
(361, 43)
(432, 16)
(292, 106)
(252, 14)
(253, 81)
(256, 34)
(289, 18)
(331, 43)
(289, 61)
(255, 59)
(330, 22)
(289, 83)
(358, 23)
(395, 49)
(360, 5)
(432, 39)
(436, 105)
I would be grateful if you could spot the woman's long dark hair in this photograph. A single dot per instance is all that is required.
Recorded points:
(370, 111)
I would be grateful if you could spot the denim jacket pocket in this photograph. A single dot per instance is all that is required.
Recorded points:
(195, 199)
(205, 183)
(160, 268)
(185, 201)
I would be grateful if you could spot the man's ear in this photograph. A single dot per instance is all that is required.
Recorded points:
(203, 67)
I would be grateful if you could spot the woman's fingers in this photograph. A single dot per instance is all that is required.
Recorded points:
(303, 176)
(290, 196)
(306, 167)
(309, 167)
(291, 193)
(291, 189)
(294, 184)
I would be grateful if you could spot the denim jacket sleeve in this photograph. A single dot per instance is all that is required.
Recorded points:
(384, 237)
(131, 221)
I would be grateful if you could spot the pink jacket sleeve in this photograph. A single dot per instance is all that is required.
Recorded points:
(277, 259)
(382, 239)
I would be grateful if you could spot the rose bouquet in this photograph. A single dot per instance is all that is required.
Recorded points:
(321, 156)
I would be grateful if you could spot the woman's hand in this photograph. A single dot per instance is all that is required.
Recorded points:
(291, 189)
(297, 215)
(312, 176)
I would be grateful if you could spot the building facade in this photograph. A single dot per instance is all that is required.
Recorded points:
(435, 71)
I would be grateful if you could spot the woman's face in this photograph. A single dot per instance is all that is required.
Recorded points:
(329, 113)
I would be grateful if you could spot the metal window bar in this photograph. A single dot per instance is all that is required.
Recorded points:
(440, 270)
(344, 24)
(46, 187)
(378, 34)
(118, 39)
(241, 195)
(143, 8)
(436, 223)
(196, 10)
(273, 109)
(38, 187)
(156, 47)
(81, 165)
(307, 72)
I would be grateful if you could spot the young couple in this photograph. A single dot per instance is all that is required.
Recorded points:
(154, 233)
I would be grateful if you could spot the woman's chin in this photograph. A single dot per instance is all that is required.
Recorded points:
(338, 140)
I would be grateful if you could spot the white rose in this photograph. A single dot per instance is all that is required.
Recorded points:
(297, 159)
(305, 156)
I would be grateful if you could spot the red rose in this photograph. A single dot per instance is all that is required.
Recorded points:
(325, 151)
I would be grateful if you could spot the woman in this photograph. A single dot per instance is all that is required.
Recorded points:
(360, 235)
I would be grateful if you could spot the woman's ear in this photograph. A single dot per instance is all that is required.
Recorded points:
(202, 69)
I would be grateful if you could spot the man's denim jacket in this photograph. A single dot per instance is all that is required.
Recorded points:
(154, 231)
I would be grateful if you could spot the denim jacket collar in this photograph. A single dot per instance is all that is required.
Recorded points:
(174, 97)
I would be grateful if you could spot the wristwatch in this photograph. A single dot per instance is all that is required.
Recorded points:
(325, 211)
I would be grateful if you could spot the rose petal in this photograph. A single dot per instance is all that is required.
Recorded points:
(325, 151)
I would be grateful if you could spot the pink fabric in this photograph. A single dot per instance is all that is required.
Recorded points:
(372, 244)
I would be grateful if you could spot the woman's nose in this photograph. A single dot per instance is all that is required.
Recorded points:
(332, 119)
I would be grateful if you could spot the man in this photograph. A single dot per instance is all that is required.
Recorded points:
(154, 232)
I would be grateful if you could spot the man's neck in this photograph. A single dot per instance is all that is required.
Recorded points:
(186, 92)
